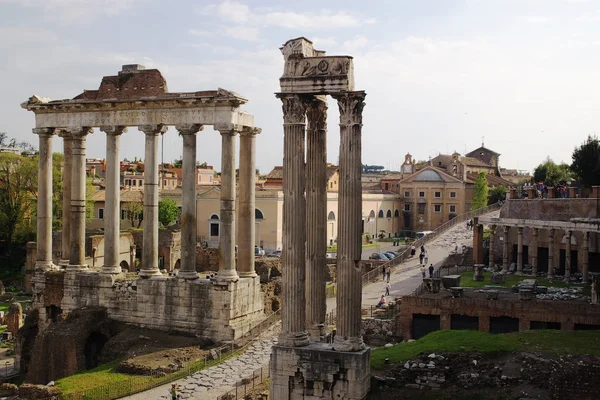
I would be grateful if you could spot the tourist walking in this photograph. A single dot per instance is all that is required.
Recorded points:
(421, 257)
(174, 392)
(423, 271)
(431, 269)
(387, 288)
(383, 273)
(425, 257)
(412, 250)
(388, 271)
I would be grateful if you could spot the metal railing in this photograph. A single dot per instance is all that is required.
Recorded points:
(141, 383)
(375, 312)
(246, 386)
(440, 273)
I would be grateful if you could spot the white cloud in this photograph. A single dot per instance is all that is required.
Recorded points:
(359, 42)
(322, 42)
(576, 44)
(241, 32)
(196, 32)
(538, 19)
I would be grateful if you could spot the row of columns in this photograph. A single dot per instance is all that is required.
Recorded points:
(534, 250)
(304, 216)
(74, 201)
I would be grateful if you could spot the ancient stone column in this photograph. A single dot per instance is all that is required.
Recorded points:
(150, 223)
(568, 255)
(188, 203)
(520, 250)
(44, 200)
(227, 270)
(78, 199)
(477, 241)
(491, 252)
(316, 217)
(293, 315)
(550, 253)
(534, 252)
(247, 206)
(505, 248)
(585, 260)
(349, 273)
(112, 204)
(65, 244)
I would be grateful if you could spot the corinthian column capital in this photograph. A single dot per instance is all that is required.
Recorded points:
(351, 106)
(79, 131)
(189, 129)
(113, 130)
(294, 108)
(45, 131)
(155, 130)
(317, 115)
(249, 131)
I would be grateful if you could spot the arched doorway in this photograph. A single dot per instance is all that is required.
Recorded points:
(177, 264)
(258, 219)
(93, 347)
(124, 265)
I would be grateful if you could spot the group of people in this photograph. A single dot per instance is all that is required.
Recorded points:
(469, 224)
(424, 260)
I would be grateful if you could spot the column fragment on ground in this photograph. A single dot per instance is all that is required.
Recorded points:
(568, 236)
(585, 262)
(78, 199)
(550, 253)
(65, 240)
(44, 200)
(534, 252)
(491, 252)
(316, 217)
(188, 202)
(150, 222)
(247, 206)
(349, 273)
(520, 250)
(112, 217)
(505, 230)
(293, 316)
(227, 268)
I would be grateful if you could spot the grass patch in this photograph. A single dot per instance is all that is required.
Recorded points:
(511, 280)
(447, 341)
(364, 246)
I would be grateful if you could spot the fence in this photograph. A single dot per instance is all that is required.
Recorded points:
(246, 386)
(141, 383)
(441, 272)
(375, 312)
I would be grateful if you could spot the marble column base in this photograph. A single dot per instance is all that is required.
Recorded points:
(350, 344)
(64, 263)
(111, 269)
(227, 275)
(44, 266)
(148, 273)
(187, 274)
(81, 267)
(245, 274)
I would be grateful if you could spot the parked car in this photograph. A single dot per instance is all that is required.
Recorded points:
(276, 253)
(258, 251)
(379, 256)
(391, 254)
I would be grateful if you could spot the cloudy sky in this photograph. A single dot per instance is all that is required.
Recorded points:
(439, 74)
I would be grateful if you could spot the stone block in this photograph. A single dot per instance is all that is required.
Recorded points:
(451, 281)
(491, 295)
(526, 294)
(497, 278)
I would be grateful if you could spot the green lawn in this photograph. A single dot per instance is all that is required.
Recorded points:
(364, 246)
(511, 280)
(543, 341)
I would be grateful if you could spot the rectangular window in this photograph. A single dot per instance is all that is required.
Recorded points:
(123, 214)
(438, 194)
(135, 182)
(452, 209)
(387, 186)
(437, 208)
(407, 207)
(214, 229)
(101, 213)
(128, 182)
(140, 182)
(453, 195)
(406, 194)
(421, 194)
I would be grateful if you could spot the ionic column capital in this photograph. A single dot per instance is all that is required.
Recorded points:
(45, 131)
(294, 108)
(317, 115)
(113, 130)
(351, 106)
(155, 130)
(228, 132)
(189, 129)
(249, 131)
(79, 132)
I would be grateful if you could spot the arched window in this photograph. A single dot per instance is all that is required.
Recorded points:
(371, 215)
(380, 215)
(389, 214)
(396, 213)
(258, 214)
(214, 216)
(331, 216)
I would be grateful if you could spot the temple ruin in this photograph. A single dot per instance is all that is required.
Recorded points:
(223, 308)
(303, 365)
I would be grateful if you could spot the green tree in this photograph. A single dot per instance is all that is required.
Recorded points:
(497, 194)
(167, 212)
(586, 162)
(551, 173)
(134, 211)
(480, 199)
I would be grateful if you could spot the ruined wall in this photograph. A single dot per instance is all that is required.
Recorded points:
(378, 332)
(551, 209)
(566, 313)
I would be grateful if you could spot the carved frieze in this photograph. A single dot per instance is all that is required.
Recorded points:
(300, 47)
(294, 108)
(317, 115)
(351, 106)
(318, 66)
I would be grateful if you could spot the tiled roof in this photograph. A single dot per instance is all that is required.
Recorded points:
(470, 161)
(493, 180)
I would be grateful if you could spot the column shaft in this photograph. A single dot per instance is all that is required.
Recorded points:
(349, 290)
(585, 262)
(78, 200)
(293, 315)
(246, 217)
(112, 203)
(65, 244)
(316, 218)
(477, 241)
(505, 248)
(188, 204)
(551, 253)
(44, 203)
(568, 256)
(227, 267)
(491, 249)
(520, 250)
(150, 223)
(534, 252)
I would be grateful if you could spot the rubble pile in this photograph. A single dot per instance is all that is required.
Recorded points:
(555, 293)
